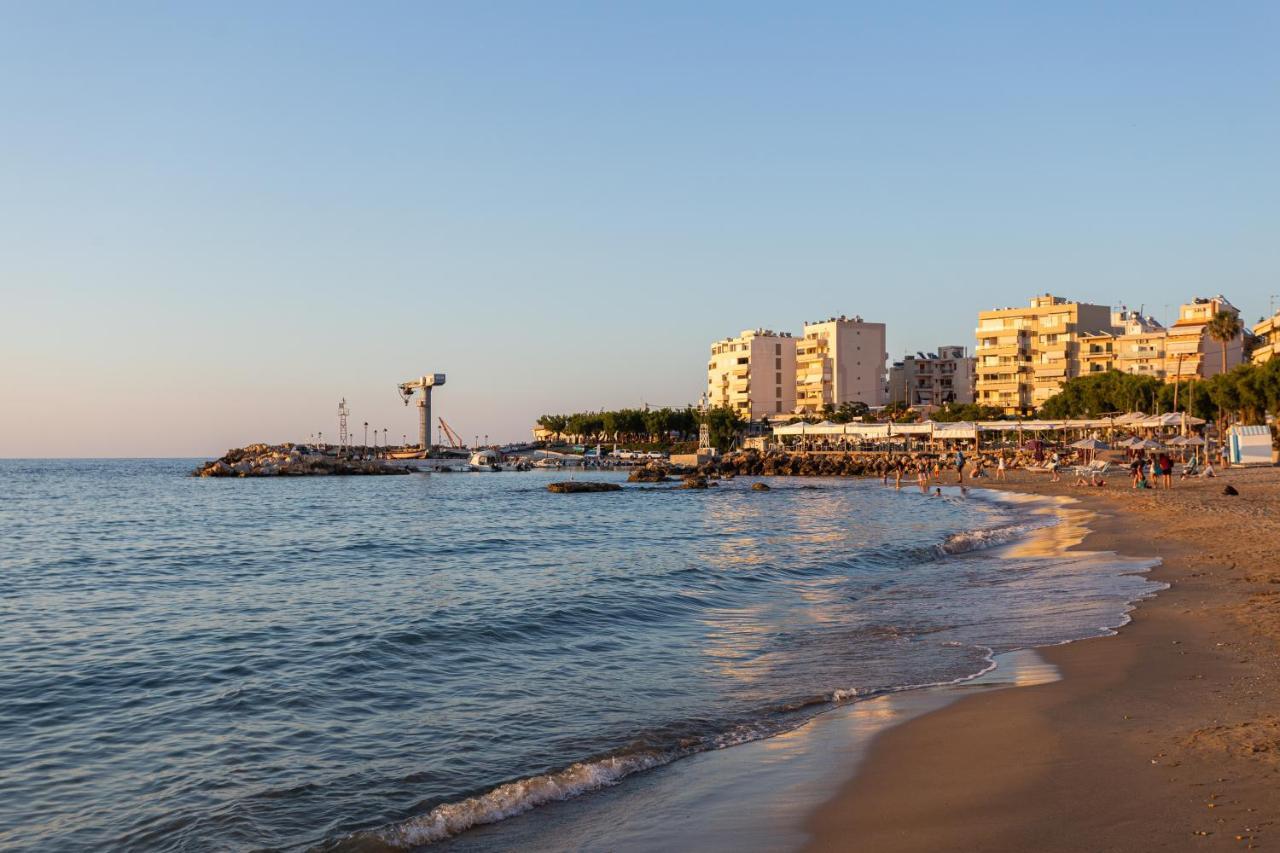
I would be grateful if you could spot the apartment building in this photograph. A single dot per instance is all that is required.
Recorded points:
(754, 374)
(1189, 351)
(1135, 344)
(1025, 354)
(933, 379)
(840, 360)
(1267, 345)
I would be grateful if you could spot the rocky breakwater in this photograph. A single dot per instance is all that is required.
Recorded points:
(753, 463)
(289, 460)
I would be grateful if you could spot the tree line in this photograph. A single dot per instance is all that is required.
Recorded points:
(1246, 393)
(647, 426)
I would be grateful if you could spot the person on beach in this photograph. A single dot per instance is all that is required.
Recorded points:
(1000, 467)
(1055, 466)
(1166, 470)
(1135, 469)
(922, 477)
(960, 466)
(897, 473)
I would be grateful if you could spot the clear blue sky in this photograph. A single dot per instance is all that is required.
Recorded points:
(216, 219)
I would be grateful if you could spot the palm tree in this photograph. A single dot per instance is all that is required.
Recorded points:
(1224, 328)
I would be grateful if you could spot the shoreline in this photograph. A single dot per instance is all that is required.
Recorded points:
(812, 758)
(1161, 735)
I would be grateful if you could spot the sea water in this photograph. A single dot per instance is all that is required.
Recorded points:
(385, 662)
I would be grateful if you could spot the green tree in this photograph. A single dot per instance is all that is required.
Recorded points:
(1098, 394)
(952, 412)
(725, 425)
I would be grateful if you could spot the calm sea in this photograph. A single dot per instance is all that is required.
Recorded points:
(364, 663)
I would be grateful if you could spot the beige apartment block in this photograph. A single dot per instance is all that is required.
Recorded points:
(1189, 351)
(840, 360)
(754, 374)
(933, 379)
(1025, 354)
(1268, 344)
(1135, 344)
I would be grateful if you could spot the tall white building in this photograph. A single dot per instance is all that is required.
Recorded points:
(754, 374)
(840, 360)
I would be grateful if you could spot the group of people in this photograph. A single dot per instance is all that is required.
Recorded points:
(925, 467)
(1156, 471)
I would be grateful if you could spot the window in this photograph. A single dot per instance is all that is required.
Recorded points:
(742, 360)
(777, 407)
(777, 378)
(778, 392)
(777, 364)
(777, 349)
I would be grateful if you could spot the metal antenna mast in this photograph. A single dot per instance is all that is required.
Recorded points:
(343, 411)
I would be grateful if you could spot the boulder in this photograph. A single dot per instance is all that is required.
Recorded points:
(575, 487)
(760, 487)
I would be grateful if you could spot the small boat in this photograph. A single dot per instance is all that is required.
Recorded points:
(485, 460)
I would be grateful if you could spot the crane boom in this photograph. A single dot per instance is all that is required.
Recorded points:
(452, 437)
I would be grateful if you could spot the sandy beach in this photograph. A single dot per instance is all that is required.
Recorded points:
(1163, 737)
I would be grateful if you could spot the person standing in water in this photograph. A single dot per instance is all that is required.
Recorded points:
(960, 466)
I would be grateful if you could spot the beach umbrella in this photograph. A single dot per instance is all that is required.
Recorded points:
(1193, 441)
(1089, 444)
(1176, 441)
(1148, 444)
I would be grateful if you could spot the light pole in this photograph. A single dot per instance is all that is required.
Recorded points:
(366, 438)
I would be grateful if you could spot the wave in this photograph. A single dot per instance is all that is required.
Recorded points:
(513, 798)
(976, 540)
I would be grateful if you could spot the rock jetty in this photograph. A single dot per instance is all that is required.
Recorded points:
(574, 487)
(289, 460)
(754, 463)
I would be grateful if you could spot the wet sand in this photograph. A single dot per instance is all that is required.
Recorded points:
(1163, 737)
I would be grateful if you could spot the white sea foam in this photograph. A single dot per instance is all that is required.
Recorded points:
(976, 540)
(516, 797)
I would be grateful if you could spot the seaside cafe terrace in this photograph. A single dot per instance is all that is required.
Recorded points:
(1172, 429)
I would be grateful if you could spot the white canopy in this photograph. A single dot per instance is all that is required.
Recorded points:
(1170, 419)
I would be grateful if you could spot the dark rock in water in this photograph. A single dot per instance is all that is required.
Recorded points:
(650, 473)
(574, 487)
(759, 487)
(695, 481)
(1230, 490)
